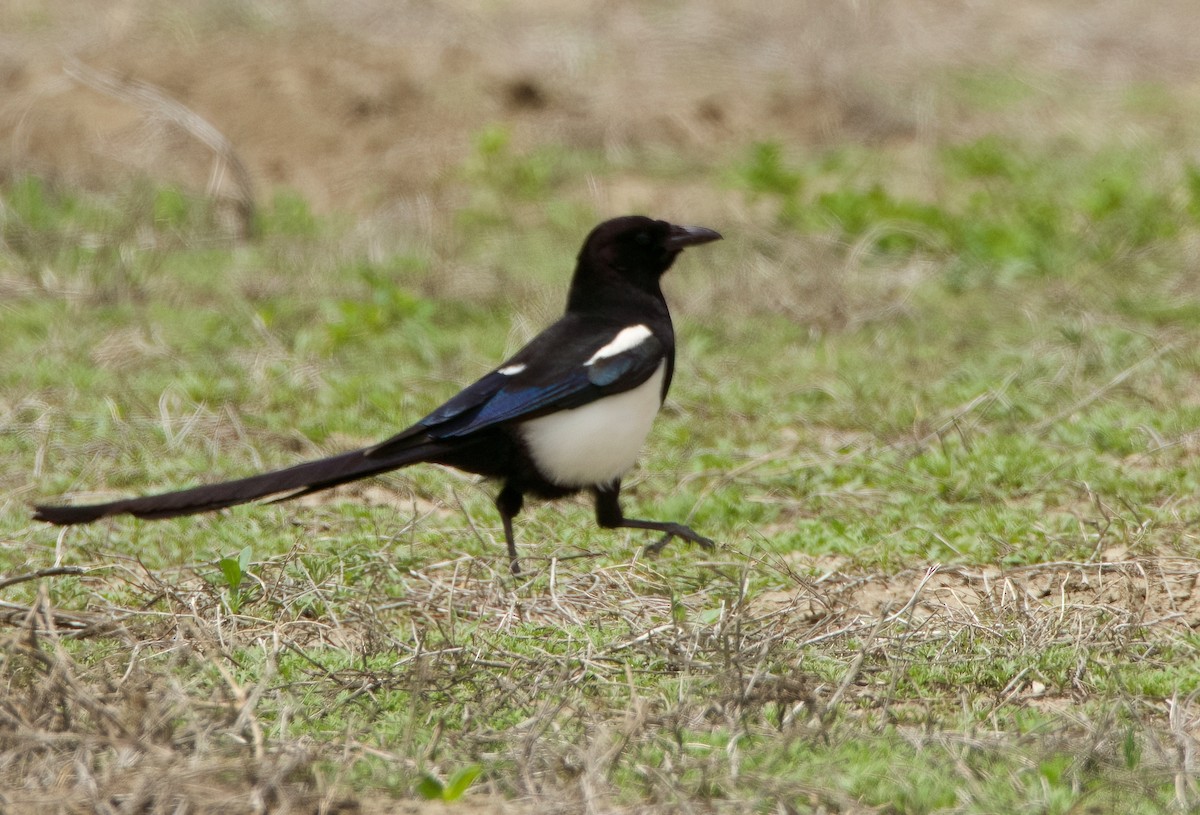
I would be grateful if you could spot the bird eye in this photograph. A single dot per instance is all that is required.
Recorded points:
(642, 239)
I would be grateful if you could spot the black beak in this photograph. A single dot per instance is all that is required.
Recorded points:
(683, 236)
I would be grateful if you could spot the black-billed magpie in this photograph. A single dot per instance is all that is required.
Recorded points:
(568, 412)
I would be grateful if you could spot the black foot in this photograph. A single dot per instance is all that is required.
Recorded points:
(679, 531)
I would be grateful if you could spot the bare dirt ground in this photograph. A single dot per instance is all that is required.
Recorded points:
(362, 105)
(1134, 592)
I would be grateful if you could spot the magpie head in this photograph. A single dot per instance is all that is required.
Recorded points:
(639, 249)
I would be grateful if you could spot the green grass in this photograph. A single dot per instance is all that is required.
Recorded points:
(1009, 384)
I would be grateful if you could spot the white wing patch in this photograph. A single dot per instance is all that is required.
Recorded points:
(626, 338)
(512, 370)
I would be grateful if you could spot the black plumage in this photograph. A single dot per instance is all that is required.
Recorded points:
(567, 412)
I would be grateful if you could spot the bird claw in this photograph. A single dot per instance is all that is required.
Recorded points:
(682, 532)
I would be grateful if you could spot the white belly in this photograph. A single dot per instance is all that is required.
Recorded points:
(596, 443)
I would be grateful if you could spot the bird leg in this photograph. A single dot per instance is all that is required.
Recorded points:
(509, 503)
(610, 516)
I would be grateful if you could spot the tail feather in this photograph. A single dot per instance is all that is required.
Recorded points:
(301, 479)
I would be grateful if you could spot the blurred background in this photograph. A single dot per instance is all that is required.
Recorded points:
(369, 105)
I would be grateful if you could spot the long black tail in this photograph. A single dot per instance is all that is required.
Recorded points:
(312, 476)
